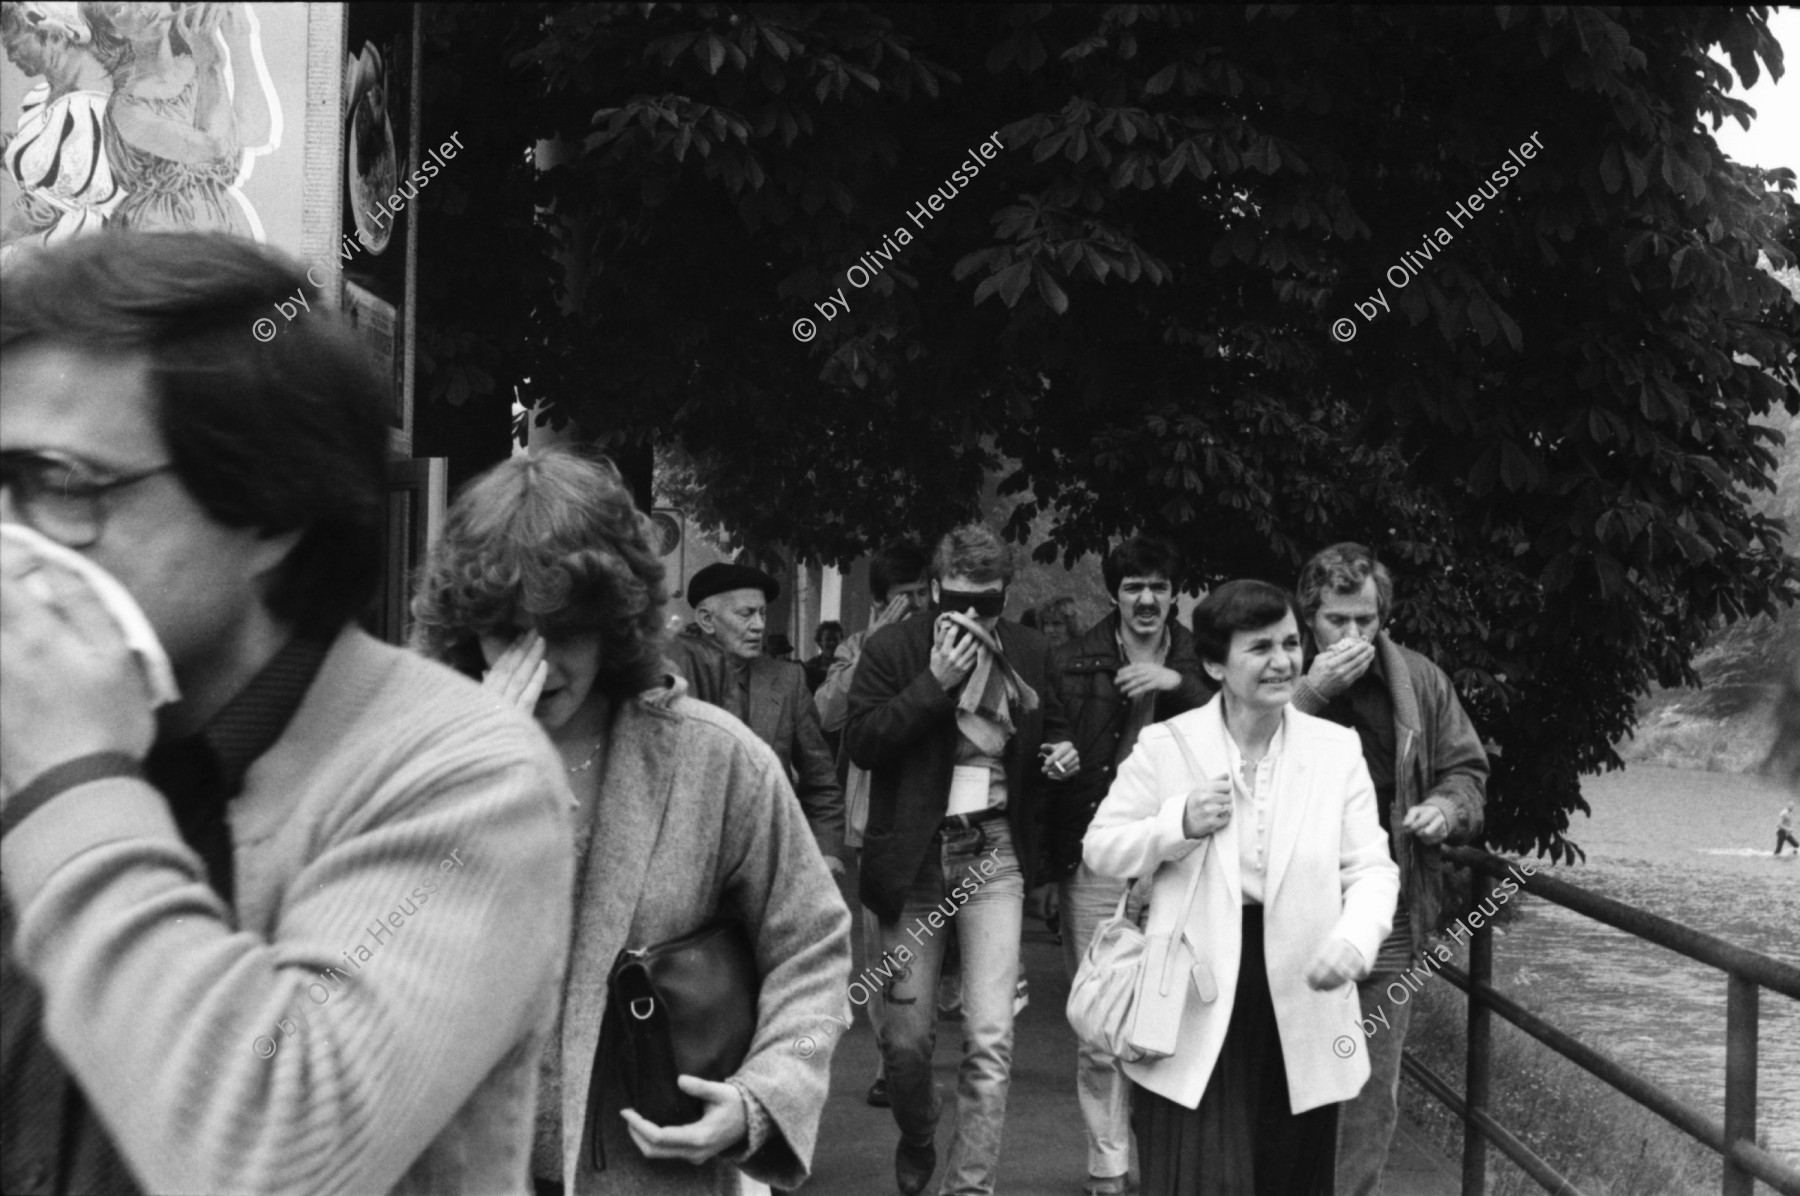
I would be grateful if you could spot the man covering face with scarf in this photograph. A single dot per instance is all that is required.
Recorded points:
(954, 714)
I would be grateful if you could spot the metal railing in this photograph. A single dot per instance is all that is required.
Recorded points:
(1747, 974)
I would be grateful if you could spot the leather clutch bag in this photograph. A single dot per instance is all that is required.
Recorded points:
(682, 1007)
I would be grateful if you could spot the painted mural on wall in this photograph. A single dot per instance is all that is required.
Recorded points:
(378, 154)
(143, 115)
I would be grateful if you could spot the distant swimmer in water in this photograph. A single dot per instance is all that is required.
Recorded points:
(1784, 830)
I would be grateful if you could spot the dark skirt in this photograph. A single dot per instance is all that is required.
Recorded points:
(1242, 1140)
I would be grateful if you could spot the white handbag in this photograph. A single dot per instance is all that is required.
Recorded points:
(1128, 995)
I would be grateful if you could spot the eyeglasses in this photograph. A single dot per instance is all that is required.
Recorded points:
(60, 497)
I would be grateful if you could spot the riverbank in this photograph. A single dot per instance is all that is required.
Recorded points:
(1690, 846)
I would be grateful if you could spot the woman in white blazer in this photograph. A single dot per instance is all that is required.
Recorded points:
(1296, 891)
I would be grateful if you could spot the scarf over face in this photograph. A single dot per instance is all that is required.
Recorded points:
(984, 711)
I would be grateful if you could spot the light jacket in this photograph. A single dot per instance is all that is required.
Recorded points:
(832, 700)
(695, 816)
(1440, 763)
(1329, 876)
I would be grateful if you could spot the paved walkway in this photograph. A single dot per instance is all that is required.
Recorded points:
(1044, 1153)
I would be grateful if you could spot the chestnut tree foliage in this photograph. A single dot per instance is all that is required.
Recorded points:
(1550, 433)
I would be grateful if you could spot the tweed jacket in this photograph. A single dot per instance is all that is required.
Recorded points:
(695, 818)
(1085, 667)
(1441, 763)
(1329, 876)
(779, 708)
(902, 729)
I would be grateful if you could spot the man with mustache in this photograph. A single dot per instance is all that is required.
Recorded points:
(1132, 668)
(949, 712)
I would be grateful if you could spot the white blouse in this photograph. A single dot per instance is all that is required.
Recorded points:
(1251, 795)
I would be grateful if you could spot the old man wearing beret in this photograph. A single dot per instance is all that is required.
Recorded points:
(724, 664)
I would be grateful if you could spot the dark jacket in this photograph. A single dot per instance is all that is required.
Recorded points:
(1441, 763)
(1097, 714)
(779, 708)
(902, 728)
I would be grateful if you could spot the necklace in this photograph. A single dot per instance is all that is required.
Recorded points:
(589, 762)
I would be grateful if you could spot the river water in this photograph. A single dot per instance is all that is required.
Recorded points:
(1694, 847)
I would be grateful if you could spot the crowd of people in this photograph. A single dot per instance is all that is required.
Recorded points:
(262, 852)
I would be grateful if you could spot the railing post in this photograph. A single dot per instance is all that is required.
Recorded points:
(1481, 1030)
(1740, 1076)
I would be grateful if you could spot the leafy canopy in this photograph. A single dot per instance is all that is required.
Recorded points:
(1549, 431)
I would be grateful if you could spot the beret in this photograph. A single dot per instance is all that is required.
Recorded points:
(722, 579)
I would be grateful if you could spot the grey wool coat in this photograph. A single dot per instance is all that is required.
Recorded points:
(696, 817)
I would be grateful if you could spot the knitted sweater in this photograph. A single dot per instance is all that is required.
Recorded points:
(370, 1016)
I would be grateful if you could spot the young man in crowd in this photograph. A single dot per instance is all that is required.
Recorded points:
(769, 696)
(955, 714)
(1134, 667)
(1430, 776)
(301, 929)
(900, 589)
(829, 635)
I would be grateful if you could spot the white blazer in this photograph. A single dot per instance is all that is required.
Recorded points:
(1329, 875)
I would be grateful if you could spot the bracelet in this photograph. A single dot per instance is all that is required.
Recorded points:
(54, 781)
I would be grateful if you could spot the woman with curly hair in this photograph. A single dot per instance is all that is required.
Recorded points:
(546, 582)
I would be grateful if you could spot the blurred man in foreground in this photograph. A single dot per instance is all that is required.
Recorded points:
(302, 929)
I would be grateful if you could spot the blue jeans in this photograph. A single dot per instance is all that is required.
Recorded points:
(1366, 1122)
(978, 866)
(1087, 899)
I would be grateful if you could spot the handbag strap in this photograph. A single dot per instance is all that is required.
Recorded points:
(1193, 763)
(1187, 904)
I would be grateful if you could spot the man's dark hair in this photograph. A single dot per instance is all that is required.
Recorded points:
(900, 563)
(828, 625)
(278, 434)
(1238, 606)
(1140, 556)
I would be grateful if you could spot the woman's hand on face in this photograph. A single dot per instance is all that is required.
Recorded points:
(517, 677)
(1336, 963)
(1208, 808)
(723, 1125)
